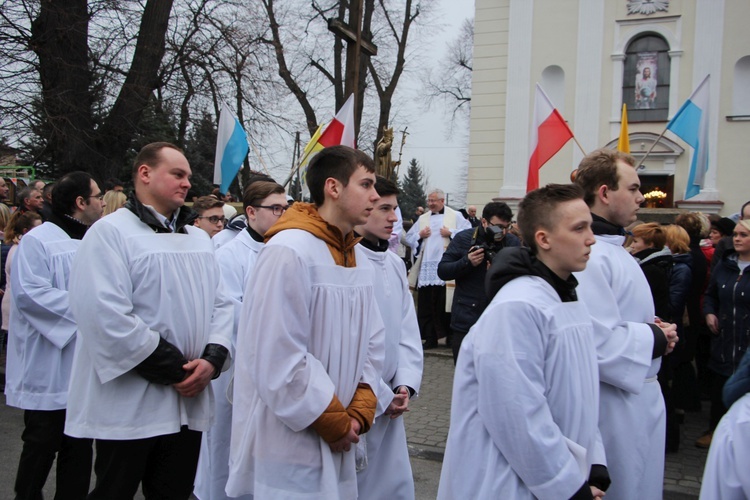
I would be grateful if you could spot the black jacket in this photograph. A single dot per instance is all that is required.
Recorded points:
(469, 299)
(728, 297)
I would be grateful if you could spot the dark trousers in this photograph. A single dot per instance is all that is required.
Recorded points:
(431, 316)
(43, 438)
(717, 404)
(458, 337)
(165, 465)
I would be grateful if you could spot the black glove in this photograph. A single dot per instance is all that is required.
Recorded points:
(216, 355)
(164, 365)
(583, 493)
(599, 477)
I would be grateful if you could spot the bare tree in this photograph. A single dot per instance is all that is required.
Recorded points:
(450, 84)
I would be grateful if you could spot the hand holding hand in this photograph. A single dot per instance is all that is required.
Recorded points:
(200, 373)
(345, 443)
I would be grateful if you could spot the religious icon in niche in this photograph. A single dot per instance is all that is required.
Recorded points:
(645, 80)
(647, 7)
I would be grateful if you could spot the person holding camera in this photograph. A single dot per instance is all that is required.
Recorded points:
(467, 259)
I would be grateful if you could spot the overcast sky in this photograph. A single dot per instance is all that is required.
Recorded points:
(442, 157)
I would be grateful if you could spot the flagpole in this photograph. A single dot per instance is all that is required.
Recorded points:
(260, 158)
(579, 146)
(640, 163)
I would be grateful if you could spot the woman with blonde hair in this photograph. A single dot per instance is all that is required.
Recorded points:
(114, 200)
(727, 309)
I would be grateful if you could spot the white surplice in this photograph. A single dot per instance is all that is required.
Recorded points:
(236, 260)
(631, 411)
(433, 246)
(525, 396)
(309, 329)
(42, 331)
(129, 286)
(388, 472)
(726, 476)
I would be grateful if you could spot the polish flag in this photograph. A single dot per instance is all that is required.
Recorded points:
(549, 133)
(340, 131)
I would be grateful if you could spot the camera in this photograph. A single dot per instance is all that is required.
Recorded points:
(490, 240)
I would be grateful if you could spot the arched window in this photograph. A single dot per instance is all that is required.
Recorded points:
(553, 83)
(645, 85)
(741, 88)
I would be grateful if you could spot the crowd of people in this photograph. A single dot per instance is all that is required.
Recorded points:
(272, 353)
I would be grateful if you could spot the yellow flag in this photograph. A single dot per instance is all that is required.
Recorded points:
(623, 144)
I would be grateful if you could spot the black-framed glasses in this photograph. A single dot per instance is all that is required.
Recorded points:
(213, 219)
(502, 227)
(99, 196)
(277, 209)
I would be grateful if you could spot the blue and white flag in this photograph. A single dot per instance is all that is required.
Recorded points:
(691, 125)
(231, 149)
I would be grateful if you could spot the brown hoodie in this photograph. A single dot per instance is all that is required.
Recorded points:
(305, 216)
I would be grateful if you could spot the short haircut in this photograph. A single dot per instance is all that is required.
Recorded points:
(652, 233)
(48, 189)
(692, 223)
(68, 189)
(599, 168)
(259, 191)
(19, 223)
(385, 187)
(338, 162)
(112, 182)
(24, 194)
(678, 239)
(498, 209)
(537, 210)
(437, 191)
(206, 203)
(150, 155)
(742, 210)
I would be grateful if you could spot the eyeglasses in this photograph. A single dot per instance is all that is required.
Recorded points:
(99, 196)
(277, 209)
(502, 227)
(213, 219)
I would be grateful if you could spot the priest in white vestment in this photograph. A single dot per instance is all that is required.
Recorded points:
(309, 344)
(429, 237)
(387, 473)
(630, 341)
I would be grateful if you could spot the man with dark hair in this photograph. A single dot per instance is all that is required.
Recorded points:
(46, 211)
(210, 216)
(630, 340)
(264, 203)
(154, 329)
(388, 472)
(30, 199)
(43, 338)
(309, 385)
(535, 435)
(466, 261)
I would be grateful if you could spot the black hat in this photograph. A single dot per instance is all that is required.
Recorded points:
(724, 225)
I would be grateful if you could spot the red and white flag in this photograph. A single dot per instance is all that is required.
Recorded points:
(340, 131)
(549, 133)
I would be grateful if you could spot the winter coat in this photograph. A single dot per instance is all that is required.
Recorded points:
(728, 297)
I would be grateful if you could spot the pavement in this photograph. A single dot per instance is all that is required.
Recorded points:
(427, 425)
